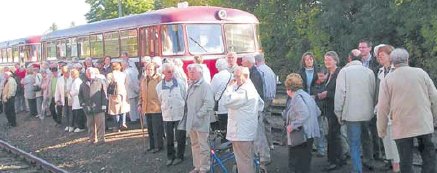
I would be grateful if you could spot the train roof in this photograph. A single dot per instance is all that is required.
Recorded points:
(192, 14)
(26, 40)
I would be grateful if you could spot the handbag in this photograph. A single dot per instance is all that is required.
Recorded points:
(216, 103)
(296, 137)
(36, 88)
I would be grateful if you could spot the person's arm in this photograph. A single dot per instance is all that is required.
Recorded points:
(432, 96)
(383, 108)
(234, 99)
(340, 95)
(302, 112)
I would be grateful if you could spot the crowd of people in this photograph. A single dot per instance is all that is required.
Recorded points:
(372, 108)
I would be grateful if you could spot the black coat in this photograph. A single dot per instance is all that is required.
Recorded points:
(330, 88)
(257, 80)
(93, 96)
(303, 74)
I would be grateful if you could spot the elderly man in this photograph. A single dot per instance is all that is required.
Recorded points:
(231, 59)
(255, 75)
(8, 98)
(269, 86)
(409, 96)
(92, 98)
(199, 113)
(133, 89)
(52, 83)
(243, 103)
(354, 96)
(171, 93)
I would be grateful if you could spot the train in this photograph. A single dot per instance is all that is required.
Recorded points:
(207, 31)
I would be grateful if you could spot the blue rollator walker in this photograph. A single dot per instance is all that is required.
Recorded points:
(221, 153)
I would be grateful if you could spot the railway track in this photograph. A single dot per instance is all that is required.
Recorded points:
(13, 160)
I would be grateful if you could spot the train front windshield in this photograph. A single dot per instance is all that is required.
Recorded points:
(205, 39)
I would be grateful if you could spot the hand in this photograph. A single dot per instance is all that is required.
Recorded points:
(341, 122)
(289, 128)
(322, 95)
(139, 108)
(232, 82)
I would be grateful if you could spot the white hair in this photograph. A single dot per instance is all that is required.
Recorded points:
(260, 57)
(250, 59)
(168, 66)
(157, 60)
(198, 67)
(399, 55)
(244, 71)
(221, 64)
(375, 50)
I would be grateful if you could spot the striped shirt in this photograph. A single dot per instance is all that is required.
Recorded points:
(269, 81)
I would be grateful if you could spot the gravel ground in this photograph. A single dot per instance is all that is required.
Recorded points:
(123, 151)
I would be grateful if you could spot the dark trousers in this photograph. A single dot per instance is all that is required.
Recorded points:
(155, 129)
(170, 132)
(300, 157)
(334, 141)
(10, 111)
(371, 143)
(67, 114)
(79, 118)
(55, 111)
(426, 149)
(32, 107)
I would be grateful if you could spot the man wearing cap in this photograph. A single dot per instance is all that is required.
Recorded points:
(8, 98)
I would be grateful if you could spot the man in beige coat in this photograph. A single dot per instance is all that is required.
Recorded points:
(199, 108)
(410, 97)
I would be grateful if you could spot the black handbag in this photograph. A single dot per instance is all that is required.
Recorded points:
(216, 103)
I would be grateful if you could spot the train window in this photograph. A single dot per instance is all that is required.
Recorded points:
(9, 52)
(73, 50)
(149, 41)
(240, 38)
(4, 56)
(129, 42)
(61, 49)
(96, 46)
(34, 52)
(112, 46)
(83, 47)
(205, 38)
(172, 40)
(15, 54)
(51, 51)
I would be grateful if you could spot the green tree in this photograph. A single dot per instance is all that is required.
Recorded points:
(53, 27)
(108, 9)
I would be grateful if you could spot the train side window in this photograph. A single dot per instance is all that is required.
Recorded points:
(129, 42)
(73, 45)
(61, 49)
(112, 45)
(9, 52)
(51, 50)
(172, 40)
(96, 46)
(83, 47)
(15, 54)
(149, 41)
(3, 53)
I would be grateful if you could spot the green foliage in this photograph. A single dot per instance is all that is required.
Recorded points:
(53, 27)
(108, 9)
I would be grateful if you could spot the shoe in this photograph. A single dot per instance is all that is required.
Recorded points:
(150, 149)
(320, 155)
(37, 116)
(66, 128)
(331, 167)
(272, 147)
(368, 165)
(177, 161)
(156, 150)
(169, 162)
(70, 129)
(194, 171)
(77, 130)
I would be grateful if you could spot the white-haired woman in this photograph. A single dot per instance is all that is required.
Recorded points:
(29, 92)
(218, 85)
(45, 80)
(179, 70)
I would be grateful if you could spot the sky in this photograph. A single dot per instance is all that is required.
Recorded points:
(22, 18)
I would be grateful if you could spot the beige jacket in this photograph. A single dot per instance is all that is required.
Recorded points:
(354, 93)
(410, 97)
(9, 89)
(149, 100)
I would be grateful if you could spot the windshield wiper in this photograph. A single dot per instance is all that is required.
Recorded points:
(198, 44)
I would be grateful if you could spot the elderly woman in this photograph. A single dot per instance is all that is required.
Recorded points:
(218, 86)
(382, 52)
(171, 93)
(78, 114)
(206, 73)
(334, 138)
(45, 79)
(308, 71)
(29, 92)
(301, 114)
(38, 92)
(117, 106)
(150, 105)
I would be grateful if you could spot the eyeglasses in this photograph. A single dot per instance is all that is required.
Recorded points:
(53, 69)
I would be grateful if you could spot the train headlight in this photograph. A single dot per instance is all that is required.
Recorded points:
(222, 15)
